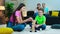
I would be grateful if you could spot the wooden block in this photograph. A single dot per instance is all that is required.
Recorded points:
(33, 26)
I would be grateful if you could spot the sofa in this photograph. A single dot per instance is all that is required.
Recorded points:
(53, 19)
(50, 20)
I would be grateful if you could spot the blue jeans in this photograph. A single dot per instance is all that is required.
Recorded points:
(17, 27)
(43, 27)
(38, 28)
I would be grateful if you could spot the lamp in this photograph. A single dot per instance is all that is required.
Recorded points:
(2, 7)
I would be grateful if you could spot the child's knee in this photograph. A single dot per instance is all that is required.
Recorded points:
(43, 27)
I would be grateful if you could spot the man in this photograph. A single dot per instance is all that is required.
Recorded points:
(46, 12)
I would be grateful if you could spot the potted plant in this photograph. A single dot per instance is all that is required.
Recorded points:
(9, 10)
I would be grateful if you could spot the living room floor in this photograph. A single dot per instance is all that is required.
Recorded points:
(27, 29)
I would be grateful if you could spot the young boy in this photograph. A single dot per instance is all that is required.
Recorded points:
(40, 19)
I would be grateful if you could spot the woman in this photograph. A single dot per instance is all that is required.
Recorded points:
(36, 11)
(16, 21)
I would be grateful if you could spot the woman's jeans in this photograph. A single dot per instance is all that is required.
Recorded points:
(17, 27)
(21, 27)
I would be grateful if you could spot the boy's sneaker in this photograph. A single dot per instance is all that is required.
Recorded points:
(35, 31)
(31, 30)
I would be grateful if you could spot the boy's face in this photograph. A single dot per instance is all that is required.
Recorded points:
(40, 13)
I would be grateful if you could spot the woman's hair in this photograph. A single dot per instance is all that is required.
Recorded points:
(18, 8)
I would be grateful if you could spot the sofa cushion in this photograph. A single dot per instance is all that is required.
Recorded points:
(55, 13)
(6, 30)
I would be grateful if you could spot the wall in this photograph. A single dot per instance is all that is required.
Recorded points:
(51, 4)
(16, 3)
(31, 4)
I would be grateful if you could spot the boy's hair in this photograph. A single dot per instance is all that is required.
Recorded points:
(41, 10)
(43, 3)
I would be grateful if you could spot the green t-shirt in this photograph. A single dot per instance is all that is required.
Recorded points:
(40, 20)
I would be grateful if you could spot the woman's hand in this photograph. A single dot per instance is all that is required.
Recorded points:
(30, 19)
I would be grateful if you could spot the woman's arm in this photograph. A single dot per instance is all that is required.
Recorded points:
(19, 19)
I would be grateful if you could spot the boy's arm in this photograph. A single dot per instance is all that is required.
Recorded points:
(44, 20)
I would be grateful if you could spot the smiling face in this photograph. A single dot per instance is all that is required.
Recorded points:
(23, 8)
(40, 12)
(24, 11)
(38, 5)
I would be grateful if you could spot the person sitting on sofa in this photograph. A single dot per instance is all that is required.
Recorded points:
(36, 11)
(16, 21)
(46, 10)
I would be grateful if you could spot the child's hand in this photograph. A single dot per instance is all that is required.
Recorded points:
(30, 19)
(37, 25)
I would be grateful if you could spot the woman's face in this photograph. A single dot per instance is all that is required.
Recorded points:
(38, 6)
(40, 13)
(23, 8)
